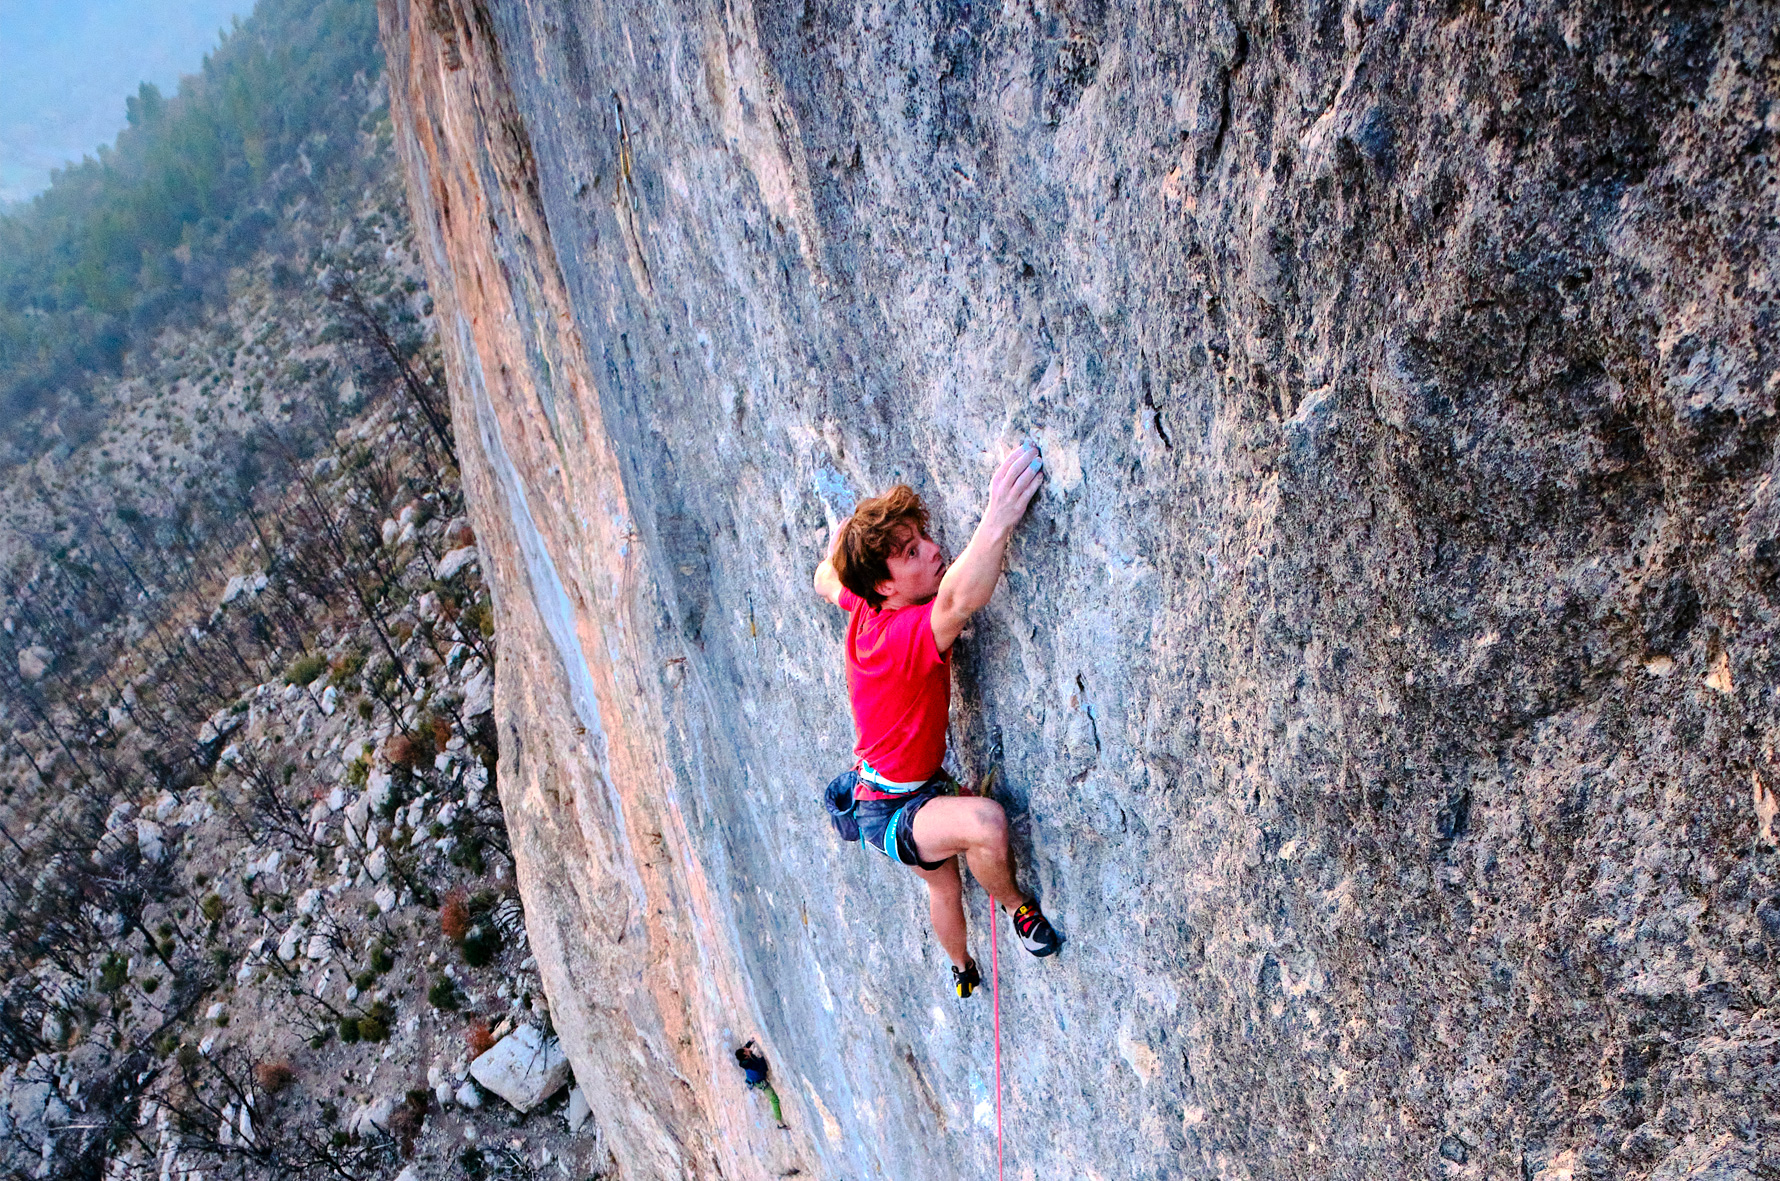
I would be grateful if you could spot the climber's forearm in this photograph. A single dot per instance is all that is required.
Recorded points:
(970, 581)
(965, 588)
(828, 583)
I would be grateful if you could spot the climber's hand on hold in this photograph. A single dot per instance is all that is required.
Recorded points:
(828, 583)
(970, 581)
(1012, 487)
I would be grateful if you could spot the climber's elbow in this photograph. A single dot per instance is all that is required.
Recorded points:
(828, 583)
(969, 585)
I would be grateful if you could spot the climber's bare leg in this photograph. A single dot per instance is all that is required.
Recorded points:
(977, 828)
(945, 906)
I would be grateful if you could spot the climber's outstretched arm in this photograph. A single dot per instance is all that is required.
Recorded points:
(970, 581)
(828, 583)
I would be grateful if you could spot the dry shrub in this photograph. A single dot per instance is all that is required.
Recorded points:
(346, 666)
(400, 751)
(406, 1121)
(479, 1038)
(454, 916)
(273, 1076)
(441, 731)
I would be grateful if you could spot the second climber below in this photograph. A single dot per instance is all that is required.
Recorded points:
(906, 607)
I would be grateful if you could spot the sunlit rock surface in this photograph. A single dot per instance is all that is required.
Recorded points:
(1382, 686)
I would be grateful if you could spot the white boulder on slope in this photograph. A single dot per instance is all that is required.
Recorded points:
(34, 662)
(524, 1068)
(456, 560)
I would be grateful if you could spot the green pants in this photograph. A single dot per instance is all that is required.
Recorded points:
(772, 1097)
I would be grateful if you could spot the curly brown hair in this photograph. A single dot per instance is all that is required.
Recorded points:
(879, 525)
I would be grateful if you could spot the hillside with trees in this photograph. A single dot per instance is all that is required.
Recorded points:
(145, 235)
(257, 910)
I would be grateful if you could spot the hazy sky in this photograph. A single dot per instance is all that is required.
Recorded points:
(66, 66)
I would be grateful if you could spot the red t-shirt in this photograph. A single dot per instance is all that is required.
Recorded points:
(901, 689)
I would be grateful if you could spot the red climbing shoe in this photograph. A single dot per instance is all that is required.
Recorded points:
(965, 980)
(1035, 931)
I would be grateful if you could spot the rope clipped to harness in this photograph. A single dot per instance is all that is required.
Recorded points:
(995, 996)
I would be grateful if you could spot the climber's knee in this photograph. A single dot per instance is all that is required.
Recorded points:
(960, 824)
(994, 825)
(986, 824)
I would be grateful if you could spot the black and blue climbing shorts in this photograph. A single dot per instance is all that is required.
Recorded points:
(889, 825)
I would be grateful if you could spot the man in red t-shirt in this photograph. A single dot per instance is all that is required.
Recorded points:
(906, 608)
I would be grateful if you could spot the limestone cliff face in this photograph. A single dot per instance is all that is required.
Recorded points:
(1382, 687)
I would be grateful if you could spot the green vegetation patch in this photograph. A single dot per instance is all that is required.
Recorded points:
(305, 669)
(120, 245)
(481, 944)
(114, 971)
(443, 994)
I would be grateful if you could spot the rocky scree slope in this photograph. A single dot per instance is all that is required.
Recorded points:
(1381, 687)
(256, 911)
(290, 945)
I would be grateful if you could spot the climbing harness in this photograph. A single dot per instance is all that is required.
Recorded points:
(995, 994)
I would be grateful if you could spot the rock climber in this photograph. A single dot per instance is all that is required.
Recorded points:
(754, 1072)
(906, 608)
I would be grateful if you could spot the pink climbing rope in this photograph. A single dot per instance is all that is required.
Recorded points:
(995, 994)
(994, 987)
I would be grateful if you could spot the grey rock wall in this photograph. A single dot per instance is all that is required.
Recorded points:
(1382, 686)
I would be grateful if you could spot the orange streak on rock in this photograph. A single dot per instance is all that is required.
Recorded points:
(640, 975)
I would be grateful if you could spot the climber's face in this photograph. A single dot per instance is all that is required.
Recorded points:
(916, 565)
